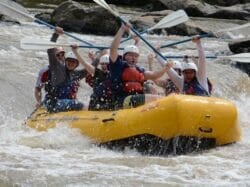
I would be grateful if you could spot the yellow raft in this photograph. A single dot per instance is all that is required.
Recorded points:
(176, 124)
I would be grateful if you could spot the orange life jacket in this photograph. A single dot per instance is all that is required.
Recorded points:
(133, 80)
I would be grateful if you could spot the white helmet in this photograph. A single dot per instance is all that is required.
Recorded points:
(104, 59)
(177, 65)
(191, 66)
(131, 49)
(71, 55)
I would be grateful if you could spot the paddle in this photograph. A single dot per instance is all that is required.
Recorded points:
(16, 11)
(170, 20)
(103, 4)
(39, 44)
(241, 57)
(215, 34)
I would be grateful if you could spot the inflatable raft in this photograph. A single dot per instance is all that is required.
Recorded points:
(176, 124)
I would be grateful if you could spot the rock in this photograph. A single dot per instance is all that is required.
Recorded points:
(94, 20)
(244, 67)
(226, 2)
(198, 9)
(240, 46)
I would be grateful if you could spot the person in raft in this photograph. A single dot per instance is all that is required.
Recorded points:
(194, 79)
(127, 78)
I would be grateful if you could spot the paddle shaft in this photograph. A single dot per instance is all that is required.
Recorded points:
(181, 56)
(131, 36)
(187, 40)
(143, 39)
(33, 45)
(207, 35)
(241, 57)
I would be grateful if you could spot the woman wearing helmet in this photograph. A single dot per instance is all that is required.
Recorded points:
(127, 78)
(101, 98)
(194, 79)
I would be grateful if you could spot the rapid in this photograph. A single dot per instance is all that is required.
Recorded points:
(64, 157)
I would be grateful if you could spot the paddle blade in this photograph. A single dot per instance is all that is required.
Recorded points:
(14, 11)
(241, 57)
(171, 20)
(38, 44)
(103, 4)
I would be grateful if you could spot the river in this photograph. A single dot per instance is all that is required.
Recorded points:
(64, 157)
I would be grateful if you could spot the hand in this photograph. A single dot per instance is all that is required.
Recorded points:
(74, 47)
(196, 39)
(169, 65)
(59, 30)
(135, 38)
(92, 55)
(126, 27)
(150, 58)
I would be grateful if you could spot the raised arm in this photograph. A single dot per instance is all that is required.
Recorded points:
(150, 61)
(202, 64)
(116, 42)
(90, 68)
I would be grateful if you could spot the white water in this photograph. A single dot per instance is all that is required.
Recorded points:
(64, 157)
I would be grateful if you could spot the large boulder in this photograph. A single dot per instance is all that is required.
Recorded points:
(226, 2)
(95, 20)
(199, 9)
(240, 46)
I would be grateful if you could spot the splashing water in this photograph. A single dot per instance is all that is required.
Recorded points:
(64, 157)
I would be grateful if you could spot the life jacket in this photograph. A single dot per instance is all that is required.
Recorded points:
(45, 76)
(133, 79)
(171, 88)
(67, 90)
(194, 88)
(101, 99)
(89, 79)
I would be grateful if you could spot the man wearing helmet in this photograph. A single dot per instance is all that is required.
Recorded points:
(127, 78)
(194, 79)
(63, 80)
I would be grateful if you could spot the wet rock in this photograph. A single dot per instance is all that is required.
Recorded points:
(7, 19)
(226, 2)
(95, 20)
(199, 9)
(240, 46)
(245, 67)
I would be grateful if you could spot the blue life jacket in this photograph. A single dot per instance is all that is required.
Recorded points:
(194, 88)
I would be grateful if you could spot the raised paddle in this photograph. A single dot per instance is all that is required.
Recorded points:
(16, 11)
(215, 34)
(170, 20)
(241, 57)
(39, 44)
(103, 4)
